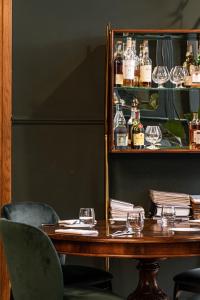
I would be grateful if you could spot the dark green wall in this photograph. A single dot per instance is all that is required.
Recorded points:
(58, 114)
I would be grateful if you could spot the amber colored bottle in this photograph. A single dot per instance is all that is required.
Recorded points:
(194, 132)
(118, 64)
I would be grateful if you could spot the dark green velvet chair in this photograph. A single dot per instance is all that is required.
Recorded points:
(188, 281)
(34, 266)
(37, 213)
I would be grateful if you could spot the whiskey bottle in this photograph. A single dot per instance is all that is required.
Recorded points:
(194, 132)
(134, 109)
(128, 63)
(121, 135)
(137, 132)
(136, 65)
(145, 67)
(198, 56)
(189, 62)
(118, 64)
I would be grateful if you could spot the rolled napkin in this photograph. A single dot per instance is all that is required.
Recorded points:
(78, 231)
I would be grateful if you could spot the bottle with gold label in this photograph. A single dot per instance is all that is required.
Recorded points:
(137, 132)
(134, 109)
(194, 132)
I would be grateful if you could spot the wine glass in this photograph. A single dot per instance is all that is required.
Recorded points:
(160, 75)
(153, 135)
(177, 76)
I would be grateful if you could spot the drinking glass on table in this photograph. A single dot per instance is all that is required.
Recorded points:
(135, 222)
(167, 215)
(87, 216)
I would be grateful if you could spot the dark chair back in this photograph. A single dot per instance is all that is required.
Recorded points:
(33, 263)
(32, 213)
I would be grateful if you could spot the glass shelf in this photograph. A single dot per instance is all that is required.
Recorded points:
(161, 150)
(126, 88)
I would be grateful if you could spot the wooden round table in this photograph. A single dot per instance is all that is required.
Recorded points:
(154, 244)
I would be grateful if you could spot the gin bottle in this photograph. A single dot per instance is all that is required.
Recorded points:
(121, 135)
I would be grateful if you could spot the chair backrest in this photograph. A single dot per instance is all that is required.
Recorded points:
(31, 213)
(33, 263)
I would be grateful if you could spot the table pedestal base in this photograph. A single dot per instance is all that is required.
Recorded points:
(147, 288)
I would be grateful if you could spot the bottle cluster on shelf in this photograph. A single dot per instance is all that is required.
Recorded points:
(132, 134)
(135, 70)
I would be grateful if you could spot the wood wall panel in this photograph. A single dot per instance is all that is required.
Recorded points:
(5, 124)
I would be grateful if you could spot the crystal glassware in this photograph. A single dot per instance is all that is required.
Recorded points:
(178, 75)
(153, 135)
(135, 222)
(167, 215)
(160, 75)
(87, 216)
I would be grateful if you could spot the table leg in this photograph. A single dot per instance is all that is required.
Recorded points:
(147, 288)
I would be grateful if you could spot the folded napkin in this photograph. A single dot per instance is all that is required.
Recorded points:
(78, 231)
(69, 222)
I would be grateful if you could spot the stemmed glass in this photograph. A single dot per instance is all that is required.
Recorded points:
(160, 75)
(153, 135)
(177, 76)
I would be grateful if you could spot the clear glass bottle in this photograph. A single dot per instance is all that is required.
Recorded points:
(145, 67)
(128, 63)
(119, 113)
(134, 109)
(118, 64)
(121, 135)
(136, 66)
(194, 132)
(137, 132)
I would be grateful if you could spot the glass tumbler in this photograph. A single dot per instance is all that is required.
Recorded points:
(167, 215)
(135, 222)
(87, 216)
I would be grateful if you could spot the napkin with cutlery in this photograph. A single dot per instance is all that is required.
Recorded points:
(78, 231)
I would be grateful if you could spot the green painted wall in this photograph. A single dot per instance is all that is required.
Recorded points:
(58, 78)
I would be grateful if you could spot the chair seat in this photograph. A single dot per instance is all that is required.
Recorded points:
(84, 275)
(88, 294)
(189, 278)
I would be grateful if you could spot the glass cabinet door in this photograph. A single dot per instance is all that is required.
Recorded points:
(154, 91)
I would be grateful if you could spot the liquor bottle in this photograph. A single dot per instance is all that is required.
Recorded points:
(145, 67)
(137, 132)
(118, 64)
(119, 112)
(134, 109)
(128, 63)
(194, 132)
(136, 66)
(198, 56)
(121, 135)
(189, 62)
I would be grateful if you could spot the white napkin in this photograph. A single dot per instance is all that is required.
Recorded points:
(78, 231)
(69, 222)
